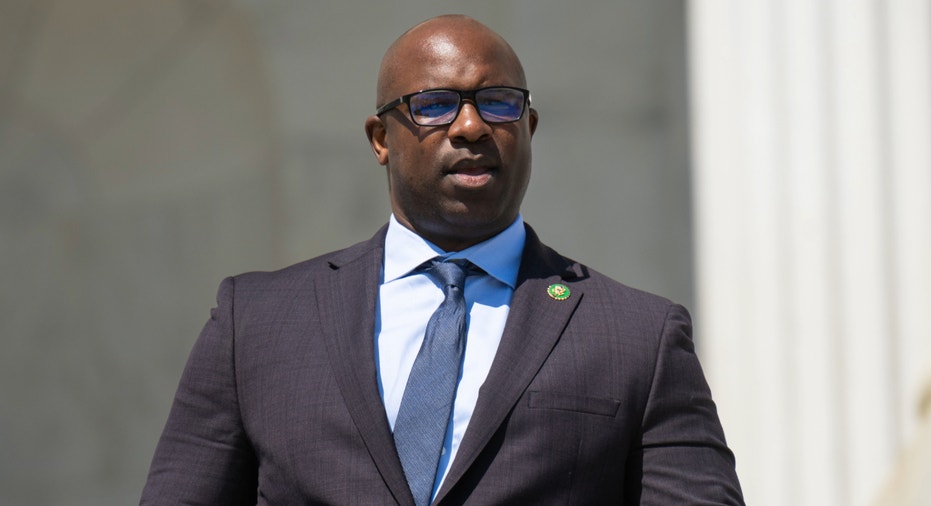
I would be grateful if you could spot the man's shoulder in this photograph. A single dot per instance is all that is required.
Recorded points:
(608, 283)
(307, 270)
(589, 280)
(623, 297)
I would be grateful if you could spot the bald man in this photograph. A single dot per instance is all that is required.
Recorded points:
(340, 381)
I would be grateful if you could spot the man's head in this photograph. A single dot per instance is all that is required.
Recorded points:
(461, 183)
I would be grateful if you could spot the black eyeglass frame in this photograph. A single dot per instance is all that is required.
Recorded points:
(463, 96)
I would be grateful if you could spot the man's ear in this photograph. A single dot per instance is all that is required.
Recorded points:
(378, 138)
(534, 118)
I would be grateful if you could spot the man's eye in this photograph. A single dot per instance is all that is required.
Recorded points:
(434, 106)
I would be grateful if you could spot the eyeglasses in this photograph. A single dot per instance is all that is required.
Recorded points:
(496, 104)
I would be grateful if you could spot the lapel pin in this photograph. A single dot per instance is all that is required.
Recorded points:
(558, 291)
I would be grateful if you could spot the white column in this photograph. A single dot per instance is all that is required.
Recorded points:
(812, 179)
(909, 68)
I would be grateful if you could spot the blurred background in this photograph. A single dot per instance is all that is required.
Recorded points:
(766, 163)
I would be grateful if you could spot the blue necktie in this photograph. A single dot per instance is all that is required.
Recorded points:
(420, 427)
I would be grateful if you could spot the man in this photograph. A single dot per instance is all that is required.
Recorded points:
(312, 385)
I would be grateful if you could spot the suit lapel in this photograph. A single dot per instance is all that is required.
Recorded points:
(346, 303)
(535, 323)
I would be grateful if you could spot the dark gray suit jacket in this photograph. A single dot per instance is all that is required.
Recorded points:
(597, 399)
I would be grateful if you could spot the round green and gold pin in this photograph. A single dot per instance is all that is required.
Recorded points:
(558, 291)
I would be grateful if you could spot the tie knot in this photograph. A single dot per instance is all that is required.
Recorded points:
(448, 273)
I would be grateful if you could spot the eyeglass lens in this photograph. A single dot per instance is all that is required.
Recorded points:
(440, 107)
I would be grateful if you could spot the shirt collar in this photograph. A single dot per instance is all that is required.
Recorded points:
(498, 256)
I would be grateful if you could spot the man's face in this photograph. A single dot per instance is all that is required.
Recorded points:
(459, 184)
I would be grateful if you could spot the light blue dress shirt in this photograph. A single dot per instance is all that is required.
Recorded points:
(407, 299)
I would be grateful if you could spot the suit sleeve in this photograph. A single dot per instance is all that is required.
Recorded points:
(204, 456)
(683, 457)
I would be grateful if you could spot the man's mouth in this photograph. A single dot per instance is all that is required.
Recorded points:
(472, 173)
(472, 177)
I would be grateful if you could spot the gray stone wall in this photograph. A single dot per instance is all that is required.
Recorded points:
(148, 149)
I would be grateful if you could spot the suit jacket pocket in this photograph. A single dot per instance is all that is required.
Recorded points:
(568, 402)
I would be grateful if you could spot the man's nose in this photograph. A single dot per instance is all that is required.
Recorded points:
(469, 125)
